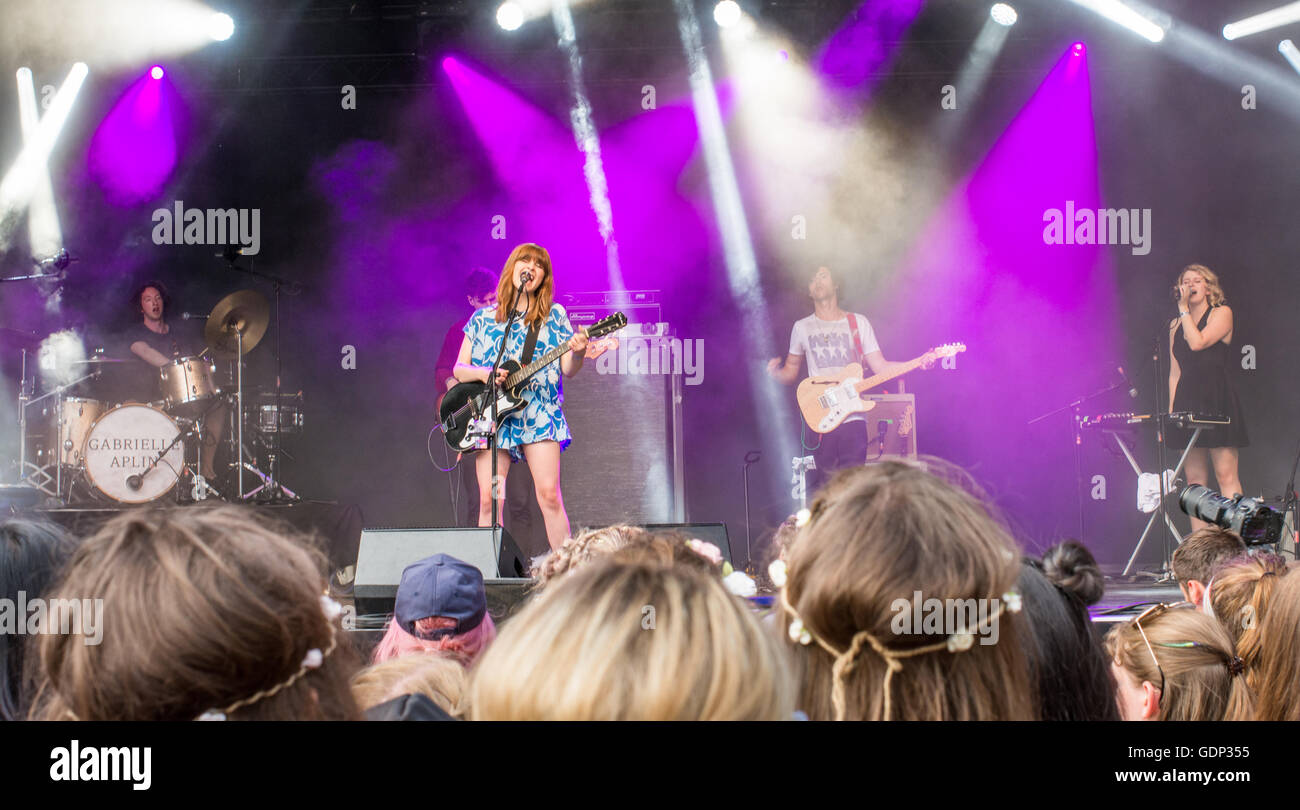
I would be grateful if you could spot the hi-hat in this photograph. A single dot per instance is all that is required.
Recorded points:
(244, 312)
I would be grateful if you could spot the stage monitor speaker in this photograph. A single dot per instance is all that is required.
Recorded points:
(715, 533)
(385, 553)
(891, 427)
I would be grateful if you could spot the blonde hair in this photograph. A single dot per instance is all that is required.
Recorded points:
(437, 677)
(633, 640)
(203, 609)
(1280, 651)
(540, 305)
(1240, 594)
(1213, 291)
(884, 532)
(1197, 660)
(584, 547)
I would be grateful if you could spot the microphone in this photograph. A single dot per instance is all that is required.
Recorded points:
(188, 316)
(134, 481)
(1132, 389)
(526, 276)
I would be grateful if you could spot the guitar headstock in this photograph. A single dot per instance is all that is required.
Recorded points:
(610, 323)
(947, 349)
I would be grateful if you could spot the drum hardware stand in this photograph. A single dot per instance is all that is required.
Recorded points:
(41, 484)
(272, 490)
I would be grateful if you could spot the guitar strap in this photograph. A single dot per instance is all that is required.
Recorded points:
(857, 338)
(530, 343)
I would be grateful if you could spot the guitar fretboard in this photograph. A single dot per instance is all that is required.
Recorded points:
(877, 379)
(537, 365)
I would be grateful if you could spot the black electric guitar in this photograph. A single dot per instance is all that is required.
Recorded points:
(469, 401)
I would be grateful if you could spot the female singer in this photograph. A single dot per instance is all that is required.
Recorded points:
(538, 433)
(1200, 378)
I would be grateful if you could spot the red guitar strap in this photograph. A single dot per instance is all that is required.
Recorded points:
(857, 338)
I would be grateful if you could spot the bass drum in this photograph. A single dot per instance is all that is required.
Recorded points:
(123, 443)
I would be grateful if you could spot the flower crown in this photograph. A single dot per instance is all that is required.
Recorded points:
(312, 660)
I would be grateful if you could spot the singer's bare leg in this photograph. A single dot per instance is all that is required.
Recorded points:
(483, 470)
(544, 463)
(1225, 470)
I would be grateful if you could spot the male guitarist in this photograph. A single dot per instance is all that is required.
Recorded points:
(832, 339)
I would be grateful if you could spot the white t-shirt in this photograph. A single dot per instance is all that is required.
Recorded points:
(827, 346)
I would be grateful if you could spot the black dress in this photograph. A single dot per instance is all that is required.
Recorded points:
(1205, 386)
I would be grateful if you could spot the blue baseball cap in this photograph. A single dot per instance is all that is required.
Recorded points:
(440, 585)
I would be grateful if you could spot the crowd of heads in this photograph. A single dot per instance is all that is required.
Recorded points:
(899, 594)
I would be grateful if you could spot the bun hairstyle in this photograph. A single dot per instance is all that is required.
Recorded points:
(1071, 567)
(881, 533)
(1069, 667)
(204, 611)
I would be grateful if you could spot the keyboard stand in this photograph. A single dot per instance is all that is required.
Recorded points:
(1160, 510)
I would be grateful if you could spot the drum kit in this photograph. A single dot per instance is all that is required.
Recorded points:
(79, 450)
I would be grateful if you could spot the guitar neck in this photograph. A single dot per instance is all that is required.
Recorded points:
(537, 365)
(877, 379)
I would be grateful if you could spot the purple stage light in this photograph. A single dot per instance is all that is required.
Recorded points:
(134, 150)
(156, 72)
(1040, 319)
(1078, 48)
(865, 43)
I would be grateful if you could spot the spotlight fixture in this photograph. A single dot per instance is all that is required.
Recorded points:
(1078, 48)
(156, 72)
(220, 27)
(510, 16)
(1284, 15)
(726, 13)
(1003, 14)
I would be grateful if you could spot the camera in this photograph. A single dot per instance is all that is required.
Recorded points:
(1250, 518)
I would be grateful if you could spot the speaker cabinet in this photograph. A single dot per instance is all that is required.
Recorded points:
(385, 553)
(891, 427)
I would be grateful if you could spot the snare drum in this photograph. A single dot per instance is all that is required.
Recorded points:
(123, 443)
(187, 385)
(290, 418)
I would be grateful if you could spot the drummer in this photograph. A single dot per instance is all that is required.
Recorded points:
(157, 343)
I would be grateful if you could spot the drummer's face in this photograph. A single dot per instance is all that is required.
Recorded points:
(152, 303)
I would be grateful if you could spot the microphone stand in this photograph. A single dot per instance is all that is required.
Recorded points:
(492, 422)
(1077, 436)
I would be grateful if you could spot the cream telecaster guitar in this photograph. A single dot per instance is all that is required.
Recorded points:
(828, 401)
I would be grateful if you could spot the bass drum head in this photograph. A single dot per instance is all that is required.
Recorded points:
(122, 443)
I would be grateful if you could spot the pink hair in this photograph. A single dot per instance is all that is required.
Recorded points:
(465, 647)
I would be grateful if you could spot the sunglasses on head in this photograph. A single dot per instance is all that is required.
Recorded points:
(1156, 610)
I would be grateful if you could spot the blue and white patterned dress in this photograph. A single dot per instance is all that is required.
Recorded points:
(542, 418)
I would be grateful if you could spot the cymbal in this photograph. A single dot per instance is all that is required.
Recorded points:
(244, 312)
